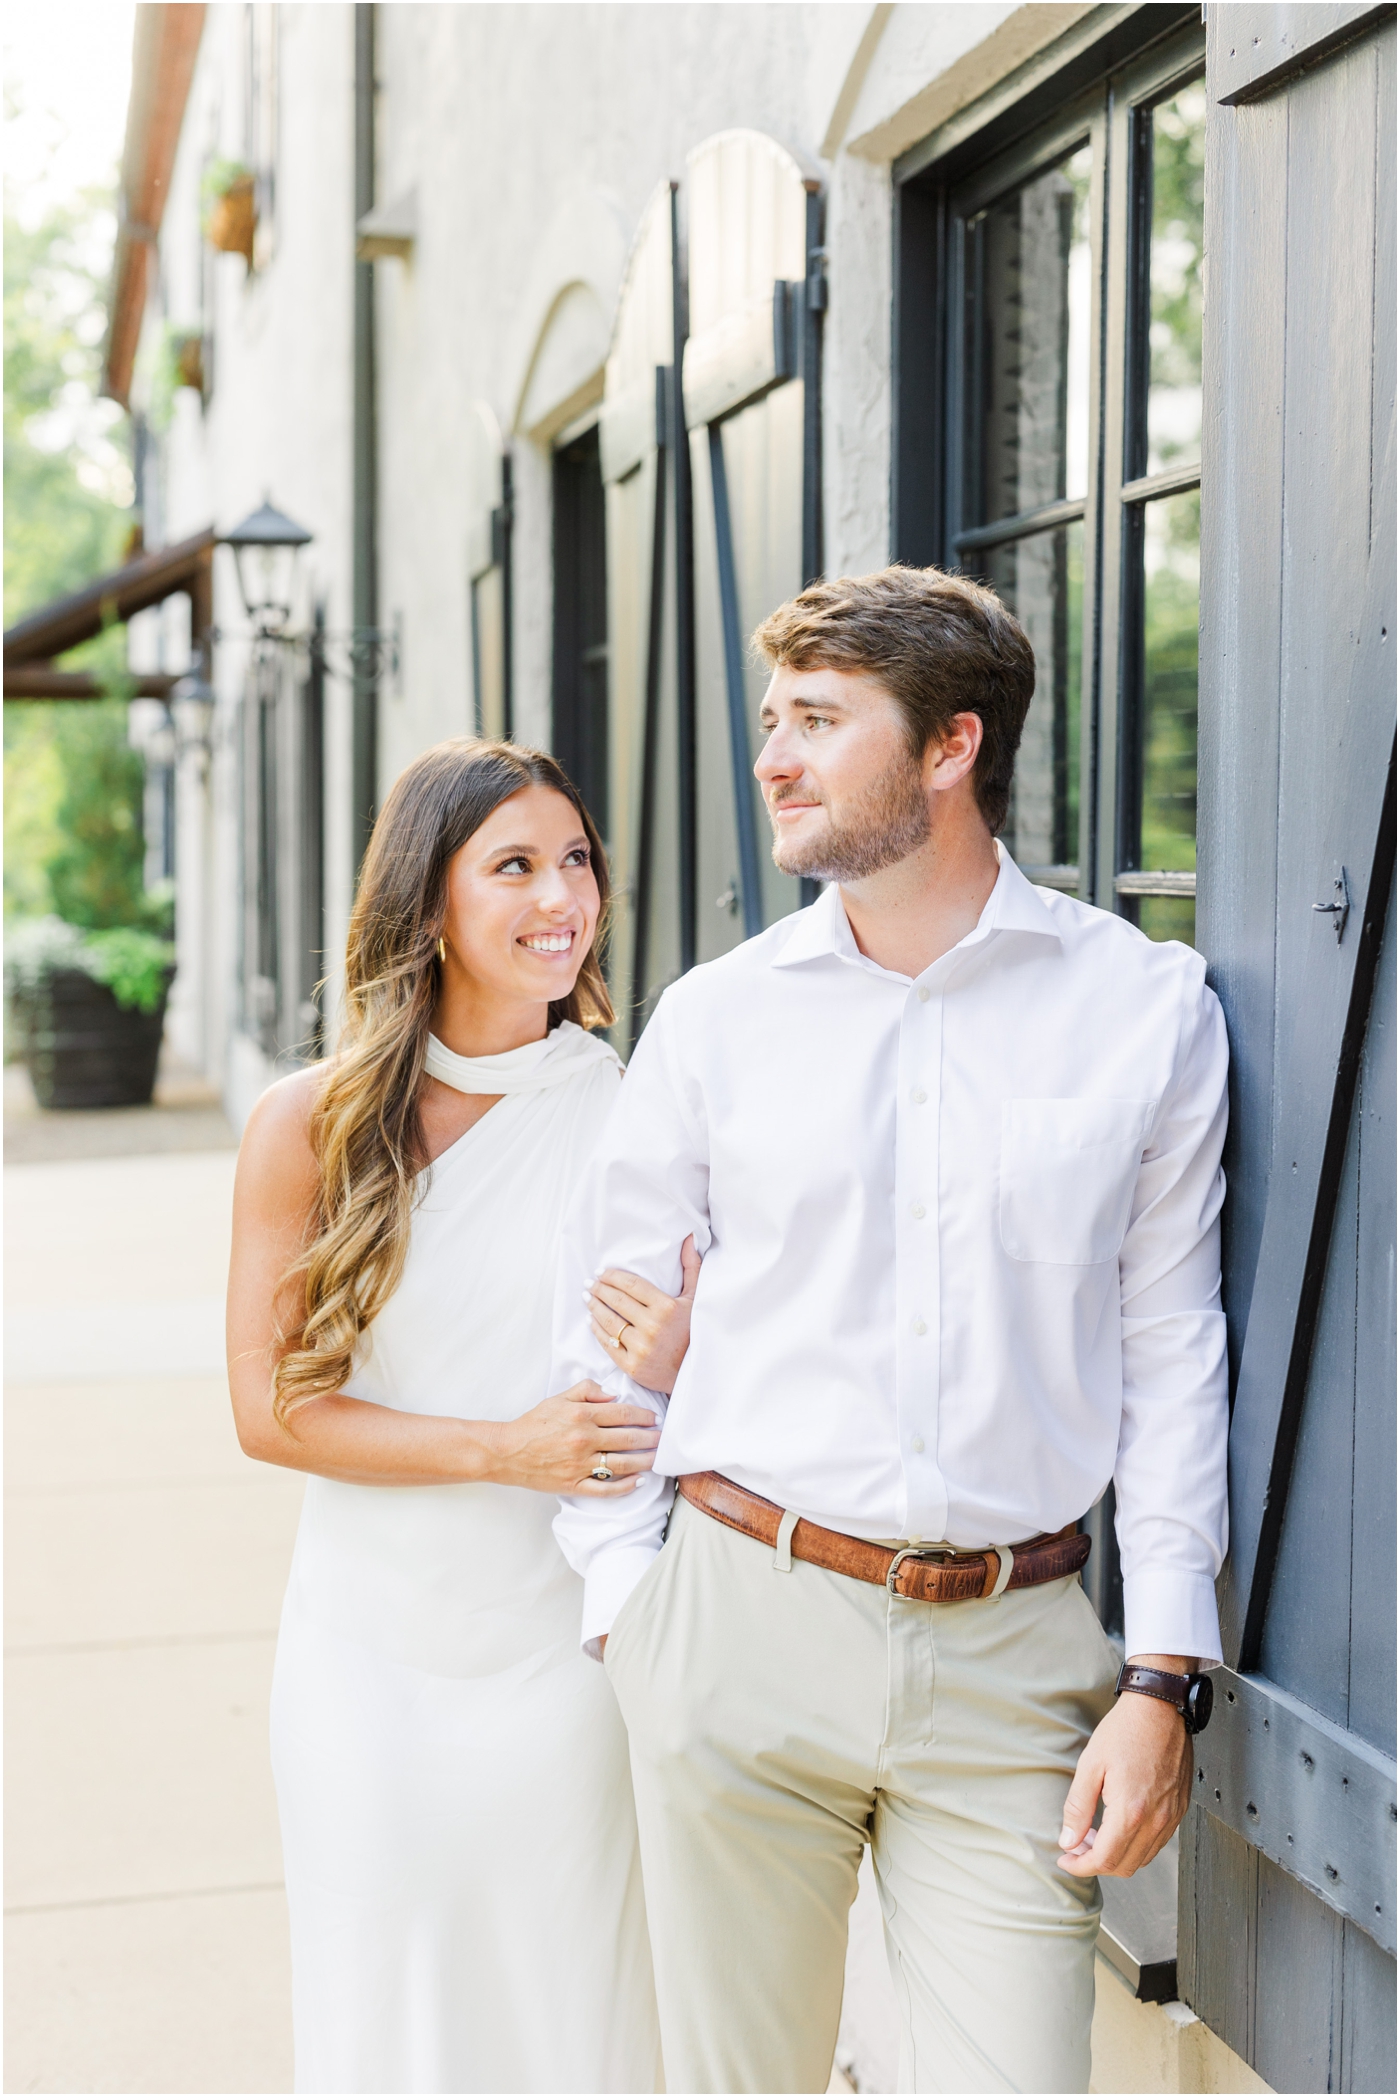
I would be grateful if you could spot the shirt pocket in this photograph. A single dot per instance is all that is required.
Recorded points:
(1068, 1171)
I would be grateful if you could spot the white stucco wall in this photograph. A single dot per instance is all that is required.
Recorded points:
(533, 137)
(277, 422)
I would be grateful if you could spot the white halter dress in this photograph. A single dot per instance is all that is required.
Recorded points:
(452, 1775)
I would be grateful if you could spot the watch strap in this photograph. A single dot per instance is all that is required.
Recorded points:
(1154, 1682)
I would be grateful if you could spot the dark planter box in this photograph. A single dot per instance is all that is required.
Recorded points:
(84, 1050)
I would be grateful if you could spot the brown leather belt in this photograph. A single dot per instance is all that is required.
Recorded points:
(916, 1574)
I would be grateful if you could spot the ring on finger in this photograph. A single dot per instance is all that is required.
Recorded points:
(602, 1471)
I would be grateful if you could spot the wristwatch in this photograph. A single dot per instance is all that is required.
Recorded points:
(1192, 1695)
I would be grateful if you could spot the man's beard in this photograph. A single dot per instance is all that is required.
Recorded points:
(886, 824)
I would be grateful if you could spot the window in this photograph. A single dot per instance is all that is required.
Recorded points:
(580, 738)
(262, 809)
(491, 630)
(1063, 274)
(282, 788)
(490, 653)
(1026, 263)
(1159, 503)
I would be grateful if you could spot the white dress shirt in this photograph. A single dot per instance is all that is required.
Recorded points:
(961, 1241)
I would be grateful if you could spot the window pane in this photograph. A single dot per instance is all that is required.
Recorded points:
(1041, 579)
(1171, 613)
(1176, 286)
(1168, 917)
(1029, 279)
(581, 623)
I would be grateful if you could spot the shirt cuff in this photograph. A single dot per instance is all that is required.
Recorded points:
(608, 1582)
(1166, 1612)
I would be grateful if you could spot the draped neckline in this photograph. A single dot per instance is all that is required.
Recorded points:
(565, 1052)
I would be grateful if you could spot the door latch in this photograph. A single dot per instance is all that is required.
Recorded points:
(1339, 909)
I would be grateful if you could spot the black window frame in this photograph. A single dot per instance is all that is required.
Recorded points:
(1100, 95)
(580, 704)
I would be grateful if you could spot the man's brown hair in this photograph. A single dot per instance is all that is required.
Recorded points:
(939, 644)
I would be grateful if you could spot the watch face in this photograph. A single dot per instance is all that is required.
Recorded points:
(1200, 1699)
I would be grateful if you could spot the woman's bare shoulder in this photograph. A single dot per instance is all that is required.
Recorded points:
(276, 1147)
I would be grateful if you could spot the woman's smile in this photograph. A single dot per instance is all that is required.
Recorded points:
(547, 942)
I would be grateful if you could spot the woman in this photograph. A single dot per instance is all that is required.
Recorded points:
(451, 1772)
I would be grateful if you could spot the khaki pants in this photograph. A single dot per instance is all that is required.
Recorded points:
(778, 1719)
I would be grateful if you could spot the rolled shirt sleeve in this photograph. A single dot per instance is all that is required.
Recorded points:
(1170, 1477)
(644, 1193)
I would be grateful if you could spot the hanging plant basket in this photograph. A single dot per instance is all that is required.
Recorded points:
(187, 356)
(233, 218)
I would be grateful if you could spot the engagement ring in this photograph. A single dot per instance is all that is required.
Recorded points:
(600, 1469)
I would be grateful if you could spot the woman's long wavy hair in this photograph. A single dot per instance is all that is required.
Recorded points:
(365, 1128)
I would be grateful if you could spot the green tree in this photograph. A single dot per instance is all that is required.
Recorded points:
(95, 873)
(72, 786)
(65, 523)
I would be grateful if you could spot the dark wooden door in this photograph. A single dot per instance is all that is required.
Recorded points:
(1288, 1922)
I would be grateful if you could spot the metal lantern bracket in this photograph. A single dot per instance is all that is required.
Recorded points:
(363, 654)
(368, 654)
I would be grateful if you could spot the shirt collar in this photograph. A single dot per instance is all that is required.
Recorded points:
(824, 929)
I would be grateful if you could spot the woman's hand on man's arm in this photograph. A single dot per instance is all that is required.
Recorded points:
(554, 1447)
(645, 1331)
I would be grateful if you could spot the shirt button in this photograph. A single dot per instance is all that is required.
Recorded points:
(918, 1095)
(920, 1327)
(923, 995)
(917, 1445)
(916, 1210)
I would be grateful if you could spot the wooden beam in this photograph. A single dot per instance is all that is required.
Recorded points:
(165, 47)
(42, 681)
(1263, 45)
(114, 598)
(1314, 1797)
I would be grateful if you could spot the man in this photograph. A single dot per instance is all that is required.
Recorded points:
(951, 1147)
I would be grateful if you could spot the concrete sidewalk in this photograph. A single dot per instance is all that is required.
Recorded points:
(146, 1936)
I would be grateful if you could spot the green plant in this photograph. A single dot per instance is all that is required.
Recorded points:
(178, 361)
(67, 481)
(67, 485)
(135, 965)
(218, 179)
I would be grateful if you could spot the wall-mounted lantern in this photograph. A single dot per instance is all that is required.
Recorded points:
(192, 704)
(265, 548)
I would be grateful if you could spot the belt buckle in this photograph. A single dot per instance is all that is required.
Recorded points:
(935, 1556)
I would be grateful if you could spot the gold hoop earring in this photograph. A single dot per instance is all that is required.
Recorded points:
(442, 950)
